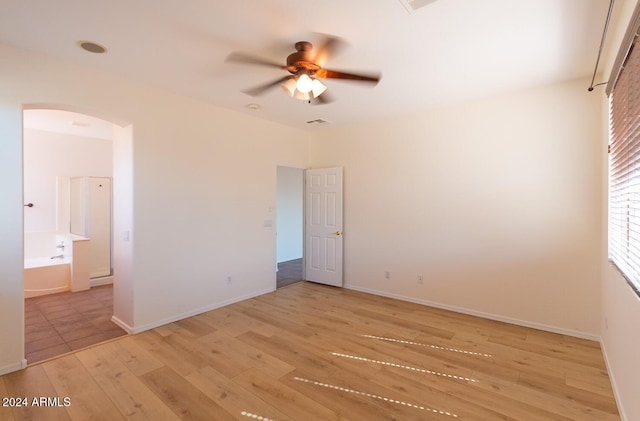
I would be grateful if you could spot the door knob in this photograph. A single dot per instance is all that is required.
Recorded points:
(338, 233)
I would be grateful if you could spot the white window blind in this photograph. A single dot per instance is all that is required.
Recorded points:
(624, 170)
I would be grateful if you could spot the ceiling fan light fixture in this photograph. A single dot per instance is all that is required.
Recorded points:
(304, 96)
(304, 83)
(317, 88)
(290, 87)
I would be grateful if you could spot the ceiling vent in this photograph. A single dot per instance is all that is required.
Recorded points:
(92, 47)
(317, 121)
(413, 5)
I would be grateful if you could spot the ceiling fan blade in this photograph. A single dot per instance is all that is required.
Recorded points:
(334, 74)
(247, 59)
(328, 47)
(261, 89)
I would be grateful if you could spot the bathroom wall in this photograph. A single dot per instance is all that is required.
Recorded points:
(48, 155)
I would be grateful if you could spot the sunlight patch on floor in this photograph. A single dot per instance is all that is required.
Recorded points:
(371, 395)
(255, 416)
(442, 348)
(406, 367)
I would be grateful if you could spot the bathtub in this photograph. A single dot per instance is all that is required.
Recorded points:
(44, 275)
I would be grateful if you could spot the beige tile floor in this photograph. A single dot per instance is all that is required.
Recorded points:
(63, 322)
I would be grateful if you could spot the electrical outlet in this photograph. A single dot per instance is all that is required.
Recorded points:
(387, 275)
(420, 279)
(229, 279)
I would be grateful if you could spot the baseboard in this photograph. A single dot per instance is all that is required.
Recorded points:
(96, 282)
(13, 367)
(616, 395)
(192, 313)
(518, 322)
(122, 324)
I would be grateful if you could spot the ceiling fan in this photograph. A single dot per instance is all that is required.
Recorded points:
(306, 68)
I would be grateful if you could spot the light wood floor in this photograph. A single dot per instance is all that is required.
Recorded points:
(310, 352)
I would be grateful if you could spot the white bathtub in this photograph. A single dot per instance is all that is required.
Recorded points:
(46, 276)
(42, 274)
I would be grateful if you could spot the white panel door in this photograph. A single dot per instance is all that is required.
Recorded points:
(77, 206)
(99, 218)
(323, 226)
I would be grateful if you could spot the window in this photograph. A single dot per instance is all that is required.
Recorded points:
(624, 159)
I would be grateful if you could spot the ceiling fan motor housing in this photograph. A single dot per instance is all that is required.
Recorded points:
(302, 59)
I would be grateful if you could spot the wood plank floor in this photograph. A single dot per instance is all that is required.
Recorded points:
(289, 272)
(311, 352)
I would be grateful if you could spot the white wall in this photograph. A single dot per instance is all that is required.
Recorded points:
(496, 203)
(289, 208)
(620, 317)
(11, 255)
(123, 226)
(204, 180)
(621, 340)
(48, 155)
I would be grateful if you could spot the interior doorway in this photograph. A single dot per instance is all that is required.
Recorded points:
(289, 225)
(69, 295)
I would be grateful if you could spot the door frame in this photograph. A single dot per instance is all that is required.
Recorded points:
(122, 256)
(305, 246)
(302, 198)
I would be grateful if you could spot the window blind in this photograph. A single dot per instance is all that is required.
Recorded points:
(624, 169)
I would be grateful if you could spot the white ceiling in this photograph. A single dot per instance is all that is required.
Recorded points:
(67, 122)
(445, 52)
